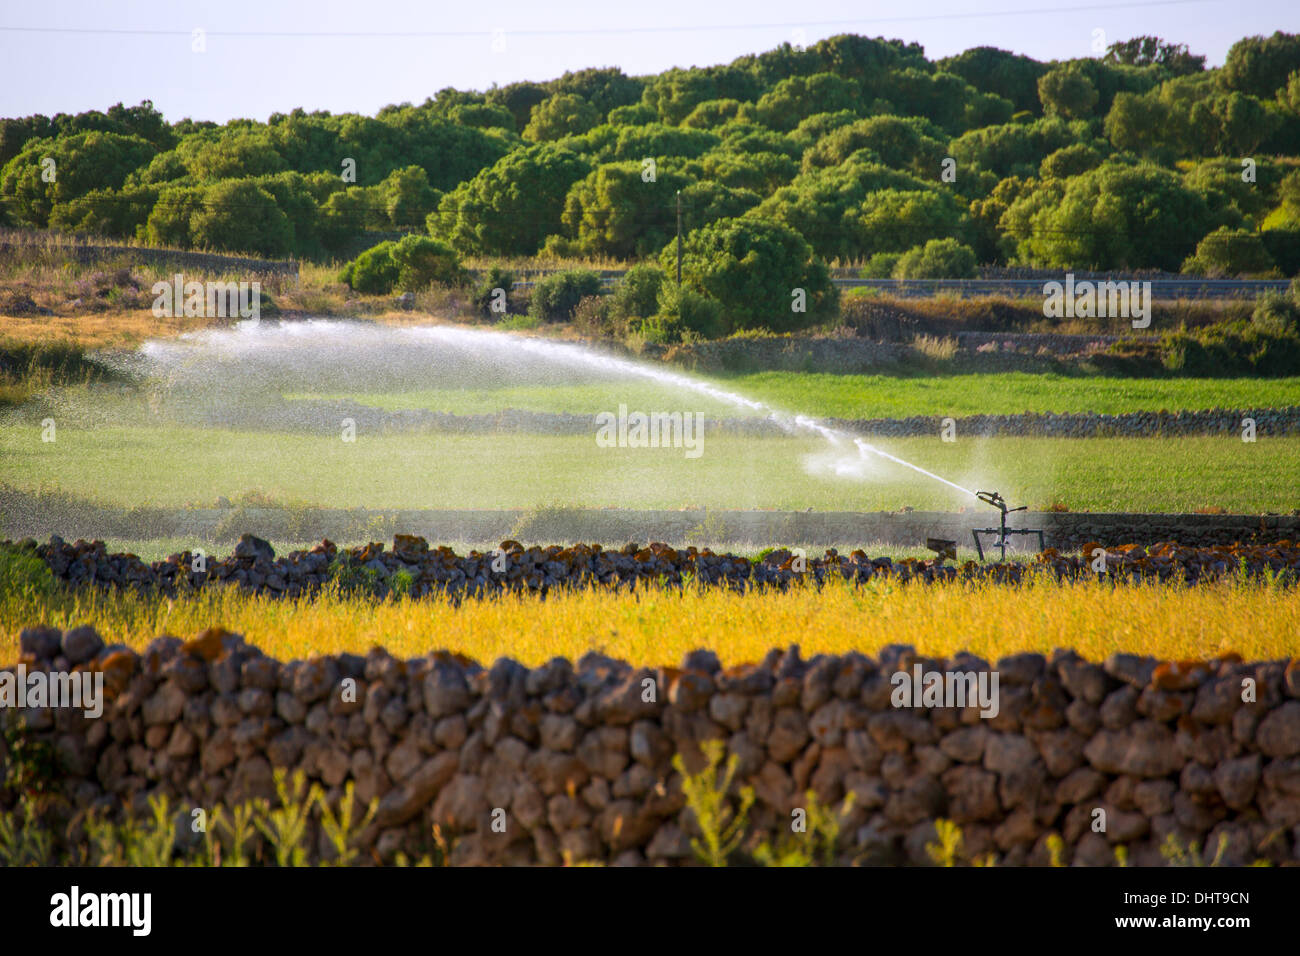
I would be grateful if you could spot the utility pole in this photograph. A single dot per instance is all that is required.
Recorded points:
(679, 237)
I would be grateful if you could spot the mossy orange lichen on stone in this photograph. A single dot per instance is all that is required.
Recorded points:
(118, 668)
(410, 544)
(1180, 675)
(208, 644)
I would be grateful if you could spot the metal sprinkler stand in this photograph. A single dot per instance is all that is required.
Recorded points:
(1002, 531)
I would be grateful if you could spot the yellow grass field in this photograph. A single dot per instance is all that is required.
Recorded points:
(1256, 621)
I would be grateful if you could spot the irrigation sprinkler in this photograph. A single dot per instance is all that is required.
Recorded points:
(1002, 532)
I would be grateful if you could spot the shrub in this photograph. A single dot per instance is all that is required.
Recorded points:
(374, 272)
(1275, 314)
(591, 316)
(881, 265)
(1230, 252)
(684, 309)
(410, 264)
(937, 259)
(1185, 355)
(422, 261)
(495, 278)
(637, 295)
(555, 297)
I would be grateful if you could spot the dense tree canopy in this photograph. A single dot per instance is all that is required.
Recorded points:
(860, 146)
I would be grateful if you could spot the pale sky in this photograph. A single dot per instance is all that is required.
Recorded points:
(74, 55)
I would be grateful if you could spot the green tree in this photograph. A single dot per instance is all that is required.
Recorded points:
(558, 116)
(824, 205)
(760, 272)
(901, 142)
(1010, 76)
(1070, 161)
(1259, 66)
(510, 207)
(1117, 216)
(605, 88)
(711, 114)
(47, 172)
(240, 215)
(761, 173)
(637, 293)
(519, 99)
(1067, 91)
(1138, 123)
(1230, 252)
(230, 153)
(169, 220)
(1152, 51)
(407, 197)
(1015, 149)
(795, 99)
(894, 220)
(483, 116)
(107, 212)
(616, 212)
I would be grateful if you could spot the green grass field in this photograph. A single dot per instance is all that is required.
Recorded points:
(176, 467)
(867, 396)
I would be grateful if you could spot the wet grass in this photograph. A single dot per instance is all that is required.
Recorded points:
(174, 467)
(868, 396)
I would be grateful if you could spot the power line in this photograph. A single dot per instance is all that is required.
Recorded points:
(599, 31)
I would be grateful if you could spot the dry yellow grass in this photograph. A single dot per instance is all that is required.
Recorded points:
(98, 329)
(1173, 623)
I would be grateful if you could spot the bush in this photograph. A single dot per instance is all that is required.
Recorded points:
(881, 265)
(484, 293)
(637, 294)
(591, 316)
(1185, 355)
(374, 272)
(555, 297)
(683, 309)
(1230, 252)
(1275, 314)
(410, 264)
(422, 261)
(937, 259)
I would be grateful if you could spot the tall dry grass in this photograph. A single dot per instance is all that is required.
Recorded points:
(659, 627)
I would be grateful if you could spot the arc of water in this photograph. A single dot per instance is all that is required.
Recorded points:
(584, 356)
(249, 338)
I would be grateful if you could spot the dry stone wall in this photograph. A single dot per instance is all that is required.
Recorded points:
(576, 759)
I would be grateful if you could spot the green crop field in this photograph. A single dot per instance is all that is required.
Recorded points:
(865, 396)
(176, 467)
